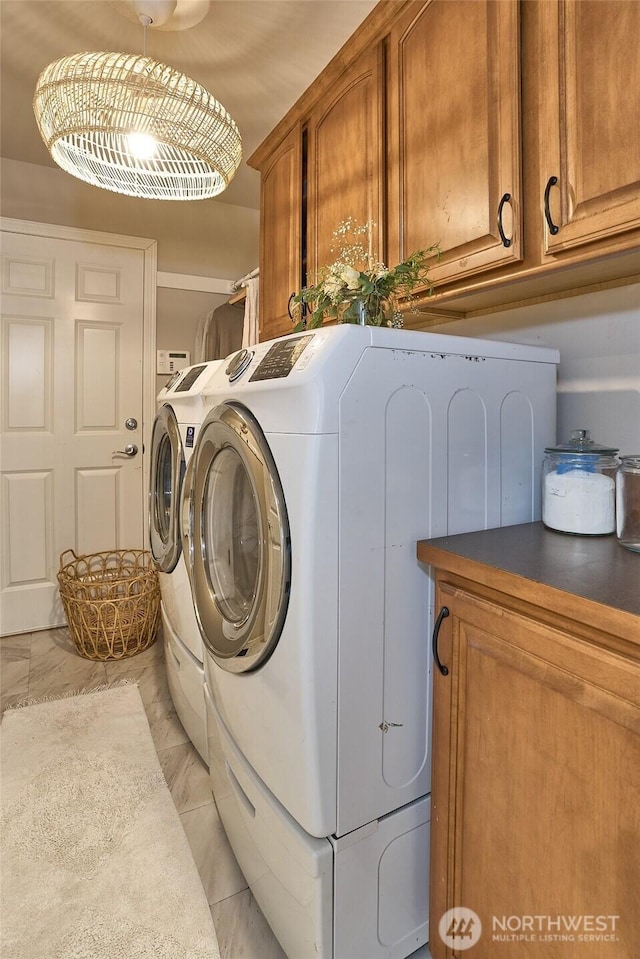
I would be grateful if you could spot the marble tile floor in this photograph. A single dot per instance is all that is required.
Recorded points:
(37, 665)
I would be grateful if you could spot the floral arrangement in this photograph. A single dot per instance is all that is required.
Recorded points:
(356, 288)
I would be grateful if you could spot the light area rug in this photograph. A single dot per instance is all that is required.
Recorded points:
(95, 863)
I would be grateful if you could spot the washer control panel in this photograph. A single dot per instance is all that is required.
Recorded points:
(189, 378)
(280, 359)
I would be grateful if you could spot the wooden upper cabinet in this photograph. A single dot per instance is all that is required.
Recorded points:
(454, 142)
(589, 103)
(450, 122)
(328, 168)
(345, 160)
(280, 234)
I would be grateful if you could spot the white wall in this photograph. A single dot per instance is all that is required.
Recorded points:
(178, 314)
(204, 237)
(598, 336)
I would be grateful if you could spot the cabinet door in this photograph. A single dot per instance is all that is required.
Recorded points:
(589, 121)
(454, 135)
(345, 160)
(280, 235)
(536, 786)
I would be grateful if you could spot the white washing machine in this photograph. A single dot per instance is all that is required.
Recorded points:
(324, 458)
(181, 409)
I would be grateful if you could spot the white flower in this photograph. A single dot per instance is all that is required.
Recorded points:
(351, 278)
(332, 286)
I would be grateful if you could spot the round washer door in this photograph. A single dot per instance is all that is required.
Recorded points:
(239, 546)
(167, 473)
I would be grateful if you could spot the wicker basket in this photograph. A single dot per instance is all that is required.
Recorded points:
(111, 601)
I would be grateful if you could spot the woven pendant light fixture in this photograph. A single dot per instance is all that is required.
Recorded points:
(136, 126)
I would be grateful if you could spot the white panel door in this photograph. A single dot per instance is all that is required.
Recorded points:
(71, 375)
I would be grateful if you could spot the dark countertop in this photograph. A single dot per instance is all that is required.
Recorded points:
(595, 568)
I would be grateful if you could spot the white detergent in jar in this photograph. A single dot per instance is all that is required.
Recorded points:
(579, 502)
(579, 487)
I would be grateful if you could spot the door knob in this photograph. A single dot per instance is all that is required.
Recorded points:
(130, 450)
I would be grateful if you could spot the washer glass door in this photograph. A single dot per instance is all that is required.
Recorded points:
(231, 524)
(240, 547)
(167, 472)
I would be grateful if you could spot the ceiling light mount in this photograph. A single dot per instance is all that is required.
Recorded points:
(156, 12)
(167, 15)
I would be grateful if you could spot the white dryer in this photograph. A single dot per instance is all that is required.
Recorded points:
(324, 458)
(181, 409)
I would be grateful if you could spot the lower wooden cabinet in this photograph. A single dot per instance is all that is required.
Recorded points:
(536, 781)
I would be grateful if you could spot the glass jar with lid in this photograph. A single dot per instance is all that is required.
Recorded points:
(579, 486)
(628, 502)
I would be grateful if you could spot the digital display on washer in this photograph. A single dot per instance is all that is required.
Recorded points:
(190, 379)
(280, 359)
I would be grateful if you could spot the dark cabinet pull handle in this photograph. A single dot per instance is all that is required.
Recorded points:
(444, 612)
(553, 229)
(505, 239)
(303, 310)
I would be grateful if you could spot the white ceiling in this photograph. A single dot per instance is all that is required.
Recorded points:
(255, 56)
